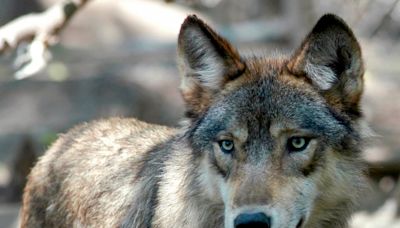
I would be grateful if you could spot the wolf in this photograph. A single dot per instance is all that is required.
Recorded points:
(266, 142)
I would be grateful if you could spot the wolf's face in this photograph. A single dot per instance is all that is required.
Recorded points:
(277, 139)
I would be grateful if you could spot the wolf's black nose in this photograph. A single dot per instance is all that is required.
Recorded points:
(256, 220)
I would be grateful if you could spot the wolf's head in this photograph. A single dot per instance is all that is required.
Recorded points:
(277, 138)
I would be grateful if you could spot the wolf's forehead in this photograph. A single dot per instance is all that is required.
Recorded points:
(270, 96)
(265, 65)
(268, 102)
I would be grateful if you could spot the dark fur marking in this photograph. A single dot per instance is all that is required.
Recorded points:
(216, 167)
(317, 161)
(351, 136)
(151, 168)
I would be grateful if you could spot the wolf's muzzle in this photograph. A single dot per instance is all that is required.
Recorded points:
(255, 220)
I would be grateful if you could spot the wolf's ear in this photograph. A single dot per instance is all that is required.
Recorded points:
(207, 62)
(330, 58)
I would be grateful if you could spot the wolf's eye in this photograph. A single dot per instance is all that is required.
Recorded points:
(296, 144)
(226, 146)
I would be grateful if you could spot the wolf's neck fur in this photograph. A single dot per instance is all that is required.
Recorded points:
(183, 200)
(333, 208)
(180, 199)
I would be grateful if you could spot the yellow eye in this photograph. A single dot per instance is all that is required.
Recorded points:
(226, 146)
(296, 144)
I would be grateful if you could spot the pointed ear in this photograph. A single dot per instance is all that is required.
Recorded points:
(207, 62)
(330, 59)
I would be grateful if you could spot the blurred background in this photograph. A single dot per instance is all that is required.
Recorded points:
(117, 58)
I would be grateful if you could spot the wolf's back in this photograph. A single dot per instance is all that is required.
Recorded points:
(92, 174)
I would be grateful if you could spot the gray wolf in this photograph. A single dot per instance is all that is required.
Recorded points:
(267, 142)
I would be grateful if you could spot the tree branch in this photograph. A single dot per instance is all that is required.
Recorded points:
(39, 30)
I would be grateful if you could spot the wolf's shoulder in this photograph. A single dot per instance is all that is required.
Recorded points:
(117, 128)
(107, 137)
